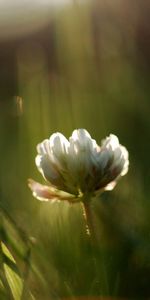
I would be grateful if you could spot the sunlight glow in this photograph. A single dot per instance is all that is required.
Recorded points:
(21, 17)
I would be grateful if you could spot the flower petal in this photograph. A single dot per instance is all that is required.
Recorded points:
(125, 155)
(40, 191)
(121, 162)
(47, 169)
(80, 156)
(58, 144)
(110, 186)
(46, 193)
(81, 135)
(104, 158)
(111, 142)
(44, 147)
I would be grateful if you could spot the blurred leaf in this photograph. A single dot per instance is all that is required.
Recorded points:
(1, 286)
(10, 263)
(3, 295)
(32, 297)
(11, 233)
(10, 268)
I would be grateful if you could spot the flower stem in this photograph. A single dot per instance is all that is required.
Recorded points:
(90, 222)
(92, 233)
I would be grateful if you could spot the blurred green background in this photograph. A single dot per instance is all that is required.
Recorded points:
(85, 66)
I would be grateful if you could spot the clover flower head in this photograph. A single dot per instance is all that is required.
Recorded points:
(78, 166)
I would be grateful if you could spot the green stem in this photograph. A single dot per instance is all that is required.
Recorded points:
(92, 232)
(90, 221)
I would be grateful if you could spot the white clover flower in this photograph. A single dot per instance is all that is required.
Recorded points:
(78, 166)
